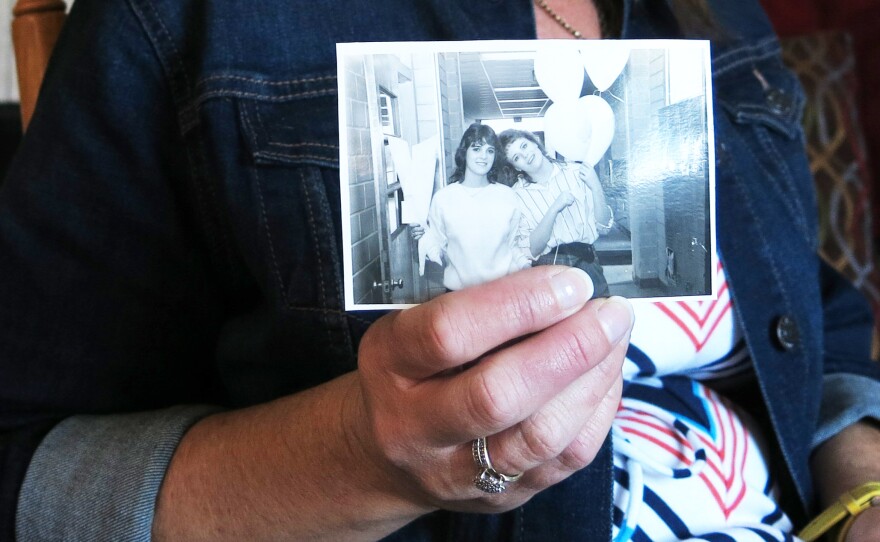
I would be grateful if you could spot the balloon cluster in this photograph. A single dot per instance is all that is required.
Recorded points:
(579, 127)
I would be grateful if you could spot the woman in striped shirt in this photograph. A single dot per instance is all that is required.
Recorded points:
(563, 205)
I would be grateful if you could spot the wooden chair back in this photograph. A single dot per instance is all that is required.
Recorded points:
(35, 28)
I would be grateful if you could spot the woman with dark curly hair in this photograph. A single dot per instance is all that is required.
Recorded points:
(474, 222)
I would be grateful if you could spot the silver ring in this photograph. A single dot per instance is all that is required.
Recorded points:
(488, 479)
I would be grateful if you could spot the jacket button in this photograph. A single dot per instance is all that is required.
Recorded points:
(779, 102)
(787, 333)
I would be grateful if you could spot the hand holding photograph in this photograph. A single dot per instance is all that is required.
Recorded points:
(462, 162)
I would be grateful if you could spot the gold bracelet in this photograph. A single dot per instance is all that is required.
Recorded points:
(852, 503)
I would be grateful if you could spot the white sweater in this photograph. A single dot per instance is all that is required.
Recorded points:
(474, 233)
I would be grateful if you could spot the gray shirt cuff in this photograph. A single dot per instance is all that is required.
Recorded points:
(846, 399)
(97, 477)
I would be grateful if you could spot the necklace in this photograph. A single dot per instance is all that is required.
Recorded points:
(558, 18)
(608, 12)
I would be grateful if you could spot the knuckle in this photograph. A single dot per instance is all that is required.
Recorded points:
(445, 334)
(580, 348)
(542, 438)
(607, 385)
(589, 346)
(368, 344)
(491, 404)
(583, 449)
(578, 455)
(523, 308)
(373, 351)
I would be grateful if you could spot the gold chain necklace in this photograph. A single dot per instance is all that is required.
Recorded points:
(559, 19)
(609, 13)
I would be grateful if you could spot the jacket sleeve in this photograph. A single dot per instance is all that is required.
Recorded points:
(851, 382)
(848, 325)
(107, 306)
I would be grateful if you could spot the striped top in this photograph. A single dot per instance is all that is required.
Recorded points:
(688, 464)
(577, 222)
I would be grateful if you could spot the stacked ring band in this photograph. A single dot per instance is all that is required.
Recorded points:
(488, 479)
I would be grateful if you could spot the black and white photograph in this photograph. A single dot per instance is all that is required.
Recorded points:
(462, 162)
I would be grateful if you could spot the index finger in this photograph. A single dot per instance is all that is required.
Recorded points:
(461, 326)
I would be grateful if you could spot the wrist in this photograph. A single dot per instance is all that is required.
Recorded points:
(847, 460)
(377, 475)
(302, 461)
(854, 512)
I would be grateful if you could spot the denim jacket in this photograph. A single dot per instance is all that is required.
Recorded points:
(171, 236)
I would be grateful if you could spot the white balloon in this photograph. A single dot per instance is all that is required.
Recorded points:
(567, 129)
(604, 62)
(580, 131)
(602, 127)
(560, 72)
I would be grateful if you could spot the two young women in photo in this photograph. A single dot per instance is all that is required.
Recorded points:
(479, 229)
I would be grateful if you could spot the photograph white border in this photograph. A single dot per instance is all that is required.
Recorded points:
(501, 46)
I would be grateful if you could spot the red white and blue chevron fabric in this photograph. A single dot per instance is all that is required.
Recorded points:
(687, 464)
(698, 338)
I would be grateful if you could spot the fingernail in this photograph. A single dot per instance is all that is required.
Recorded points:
(573, 287)
(616, 316)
